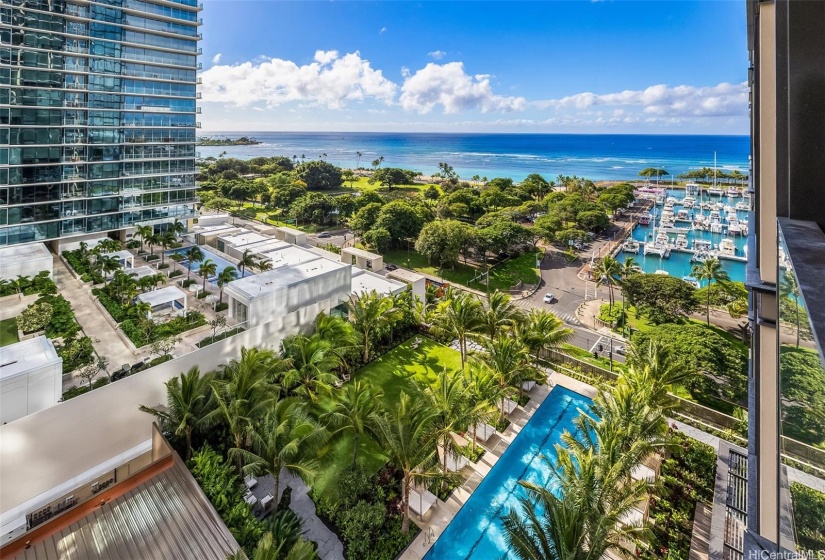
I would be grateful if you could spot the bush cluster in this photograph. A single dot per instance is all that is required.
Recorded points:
(146, 332)
(39, 284)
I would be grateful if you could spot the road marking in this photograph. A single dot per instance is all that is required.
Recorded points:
(593, 348)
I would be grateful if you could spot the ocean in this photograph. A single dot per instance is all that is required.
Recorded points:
(594, 156)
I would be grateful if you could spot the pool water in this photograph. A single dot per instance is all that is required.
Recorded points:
(221, 262)
(477, 530)
(678, 263)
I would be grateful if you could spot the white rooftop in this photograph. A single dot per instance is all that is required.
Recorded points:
(363, 282)
(164, 295)
(245, 238)
(140, 271)
(404, 274)
(360, 253)
(25, 356)
(269, 245)
(291, 231)
(122, 255)
(204, 230)
(288, 256)
(27, 251)
(280, 278)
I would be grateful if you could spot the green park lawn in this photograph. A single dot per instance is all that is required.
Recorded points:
(502, 277)
(392, 373)
(8, 331)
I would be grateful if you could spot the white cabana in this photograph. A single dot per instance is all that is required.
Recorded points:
(24, 260)
(140, 271)
(483, 431)
(421, 500)
(125, 259)
(166, 301)
(509, 406)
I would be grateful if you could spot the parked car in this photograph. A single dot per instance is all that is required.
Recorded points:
(324, 235)
(549, 298)
(620, 349)
(391, 267)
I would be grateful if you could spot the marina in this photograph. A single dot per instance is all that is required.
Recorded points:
(688, 226)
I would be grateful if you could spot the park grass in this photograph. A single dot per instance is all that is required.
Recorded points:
(400, 370)
(8, 331)
(502, 277)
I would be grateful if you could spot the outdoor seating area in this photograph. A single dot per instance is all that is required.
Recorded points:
(165, 302)
(421, 500)
(259, 492)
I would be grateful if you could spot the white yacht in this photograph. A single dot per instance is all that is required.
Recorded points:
(644, 218)
(727, 248)
(661, 272)
(701, 245)
(700, 257)
(682, 216)
(733, 192)
(692, 189)
(715, 191)
(743, 206)
(692, 281)
(681, 241)
(716, 227)
(688, 202)
(631, 246)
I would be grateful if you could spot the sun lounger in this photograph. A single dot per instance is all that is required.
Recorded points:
(483, 431)
(251, 482)
(420, 503)
(528, 385)
(266, 500)
(250, 499)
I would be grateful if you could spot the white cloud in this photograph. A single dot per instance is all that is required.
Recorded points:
(217, 58)
(437, 55)
(383, 30)
(452, 88)
(330, 81)
(660, 100)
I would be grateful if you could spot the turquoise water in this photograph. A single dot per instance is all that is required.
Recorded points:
(594, 156)
(221, 262)
(678, 264)
(477, 531)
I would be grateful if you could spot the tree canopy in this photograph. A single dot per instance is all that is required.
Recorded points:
(664, 299)
(319, 175)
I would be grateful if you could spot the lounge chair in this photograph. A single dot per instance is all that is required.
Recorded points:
(483, 431)
(266, 500)
(251, 482)
(420, 503)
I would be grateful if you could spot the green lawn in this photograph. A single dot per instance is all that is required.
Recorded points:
(392, 373)
(8, 331)
(502, 277)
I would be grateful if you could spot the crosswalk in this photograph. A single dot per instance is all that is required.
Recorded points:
(566, 317)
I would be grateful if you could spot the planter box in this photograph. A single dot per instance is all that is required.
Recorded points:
(21, 336)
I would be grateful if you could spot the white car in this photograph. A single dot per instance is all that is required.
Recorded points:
(549, 298)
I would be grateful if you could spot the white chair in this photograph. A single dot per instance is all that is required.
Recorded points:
(483, 431)
(251, 482)
(420, 503)
(266, 500)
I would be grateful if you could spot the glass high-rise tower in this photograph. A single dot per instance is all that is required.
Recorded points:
(97, 115)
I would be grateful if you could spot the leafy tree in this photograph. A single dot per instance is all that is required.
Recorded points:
(535, 185)
(313, 207)
(710, 270)
(431, 192)
(144, 232)
(402, 219)
(664, 299)
(189, 399)
(565, 236)
(379, 239)
(593, 220)
(365, 218)
(348, 176)
(547, 226)
(390, 176)
(606, 271)
(443, 240)
(319, 175)
(92, 370)
(164, 346)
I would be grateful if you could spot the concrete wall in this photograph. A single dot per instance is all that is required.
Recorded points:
(31, 392)
(43, 450)
(12, 268)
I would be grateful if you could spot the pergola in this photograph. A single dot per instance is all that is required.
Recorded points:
(166, 301)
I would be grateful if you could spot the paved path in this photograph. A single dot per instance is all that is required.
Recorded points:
(12, 306)
(104, 339)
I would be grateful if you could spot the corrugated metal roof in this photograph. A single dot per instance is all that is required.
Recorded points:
(167, 517)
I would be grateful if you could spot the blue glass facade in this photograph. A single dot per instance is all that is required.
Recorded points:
(97, 115)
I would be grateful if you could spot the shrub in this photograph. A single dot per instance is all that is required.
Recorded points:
(115, 309)
(612, 315)
(357, 522)
(175, 273)
(809, 506)
(159, 360)
(221, 307)
(75, 352)
(226, 334)
(150, 258)
(75, 392)
(146, 332)
(39, 284)
(163, 266)
(34, 317)
(187, 283)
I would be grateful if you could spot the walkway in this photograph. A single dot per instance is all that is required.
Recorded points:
(105, 340)
(13, 305)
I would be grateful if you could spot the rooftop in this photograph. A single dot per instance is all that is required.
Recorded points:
(245, 238)
(280, 278)
(270, 244)
(289, 255)
(404, 274)
(25, 356)
(164, 295)
(360, 253)
(363, 281)
(290, 231)
(27, 251)
(141, 271)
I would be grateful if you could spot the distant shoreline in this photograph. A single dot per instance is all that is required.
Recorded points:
(242, 141)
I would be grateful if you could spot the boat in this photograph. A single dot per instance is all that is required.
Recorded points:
(692, 281)
(631, 246)
(733, 192)
(715, 216)
(701, 224)
(660, 199)
(682, 216)
(743, 206)
(692, 189)
(715, 191)
(671, 200)
(644, 218)
(661, 272)
(681, 241)
(701, 245)
(688, 202)
(716, 227)
(700, 257)
(727, 248)
(672, 229)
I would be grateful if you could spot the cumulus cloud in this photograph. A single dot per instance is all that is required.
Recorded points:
(329, 81)
(437, 55)
(660, 100)
(217, 58)
(449, 86)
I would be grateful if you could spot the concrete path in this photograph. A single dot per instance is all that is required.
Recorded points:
(104, 339)
(12, 306)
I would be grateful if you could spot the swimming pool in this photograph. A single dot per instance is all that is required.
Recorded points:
(220, 261)
(477, 531)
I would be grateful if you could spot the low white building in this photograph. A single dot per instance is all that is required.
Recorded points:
(291, 235)
(362, 259)
(365, 282)
(168, 301)
(235, 244)
(416, 282)
(288, 255)
(31, 378)
(314, 286)
(25, 260)
(207, 235)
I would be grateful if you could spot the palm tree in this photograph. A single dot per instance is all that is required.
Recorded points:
(483, 394)
(144, 232)
(605, 273)
(459, 314)
(542, 330)
(263, 265)
(151, 241)
(243, 392)
(177, 228)
(108, 264)
(338, 332)
(509, 360)
(710, 270)
(166, 240)
(193, 254)
(312, 360)
(500, 314)
(405, 435)
(247, 259)
(286, 440)
(226, 276)
(355, 404)
(207, 269)
(371, 312)
(449, 397)
(358, 159)
(189, 399)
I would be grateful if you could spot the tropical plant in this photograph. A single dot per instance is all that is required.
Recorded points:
(287, 439)
(338, 332)
(483, 395)
(542, 330)
(405, 436)
(193, 254)
(108, 265)
(225, 276)
(605, 272)
(247, 260)
(312, 360)
(355, 405)
(371, 311)
(144, 232)
(710, 270)
(509, 360)
(500, 314)
(151, 241)
(459, 314)
(165, 240)
(189, 399)
(449, 397)
(263, 264)
(208, 268)
(177, 227)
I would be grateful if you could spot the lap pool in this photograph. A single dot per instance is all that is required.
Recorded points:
(219, 261)
(477, 531)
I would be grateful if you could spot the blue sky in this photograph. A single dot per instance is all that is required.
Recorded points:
(570, 66)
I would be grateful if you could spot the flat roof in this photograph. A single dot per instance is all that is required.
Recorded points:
(167, 516)
(22, 357)
(360, 253)
(123, 255)
(363, 281)
(404, 274)
(291, 231)
(280, 278)
(269, 245)
(27, 251)
(289, 256)
(140, 271)
(164, 295)
(245, 238)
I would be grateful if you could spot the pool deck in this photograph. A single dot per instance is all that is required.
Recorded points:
(441, 514)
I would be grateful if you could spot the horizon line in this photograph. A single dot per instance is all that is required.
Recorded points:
(466, 133)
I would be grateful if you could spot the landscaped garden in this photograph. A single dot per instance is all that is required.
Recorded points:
(8, 331)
